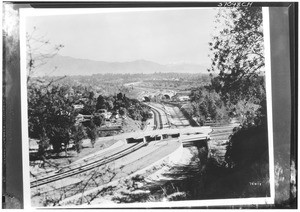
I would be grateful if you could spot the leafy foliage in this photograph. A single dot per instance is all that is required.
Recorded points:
(238, 58)
(207, 104)
(237, 51)
(51, 114)
(52, 117)
(92, 132)
(99, 120)
(79, 134)
(101, 103)
(249, 142)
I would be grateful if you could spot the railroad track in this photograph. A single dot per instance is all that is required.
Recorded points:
(80, 168)
(83, 168)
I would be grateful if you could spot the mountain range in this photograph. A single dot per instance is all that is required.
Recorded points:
(65, 65)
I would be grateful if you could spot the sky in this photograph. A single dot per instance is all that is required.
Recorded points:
(162, 36)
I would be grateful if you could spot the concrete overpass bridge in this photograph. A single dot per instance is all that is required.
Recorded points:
(160, 94)
(185, 135)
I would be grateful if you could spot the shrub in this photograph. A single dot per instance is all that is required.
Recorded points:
(92, 133)
(247, 145)
(78, 135)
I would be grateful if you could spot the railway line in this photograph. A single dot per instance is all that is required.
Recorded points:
(135, 142)
(80, 168)
(83, 168)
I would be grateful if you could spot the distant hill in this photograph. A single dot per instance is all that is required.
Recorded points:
(74, 66)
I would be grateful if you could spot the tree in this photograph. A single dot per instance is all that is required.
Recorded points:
(110, 103)
(237, 51)
(50, 114)
(89, 107)
(206, 102)
(238, 57)
(92, 132)
(39, 51)
(122, 111)
(101, 103)
(78, 135)
(120, 96)
(99, 120)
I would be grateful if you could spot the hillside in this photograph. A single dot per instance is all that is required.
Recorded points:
(73, 66)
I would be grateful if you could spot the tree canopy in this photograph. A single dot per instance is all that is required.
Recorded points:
(50, 114)
(237, 55)
(237, 51)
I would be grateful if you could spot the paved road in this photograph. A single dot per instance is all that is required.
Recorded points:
(112, 171)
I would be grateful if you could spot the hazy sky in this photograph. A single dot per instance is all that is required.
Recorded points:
(170, 36)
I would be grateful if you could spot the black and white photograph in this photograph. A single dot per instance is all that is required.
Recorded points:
(146, 107)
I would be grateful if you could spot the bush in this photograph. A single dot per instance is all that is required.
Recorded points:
(59, 137)
(78, 135)
(50, 114)
(247, 156)
(92, 133)
(247, 145)
(206, 102)
(99, 120)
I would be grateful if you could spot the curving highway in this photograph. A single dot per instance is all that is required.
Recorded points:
(157, 119)
(80, 168)
(160, 121)
(110, 156)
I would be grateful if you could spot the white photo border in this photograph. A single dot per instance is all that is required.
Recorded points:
(25, 12)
